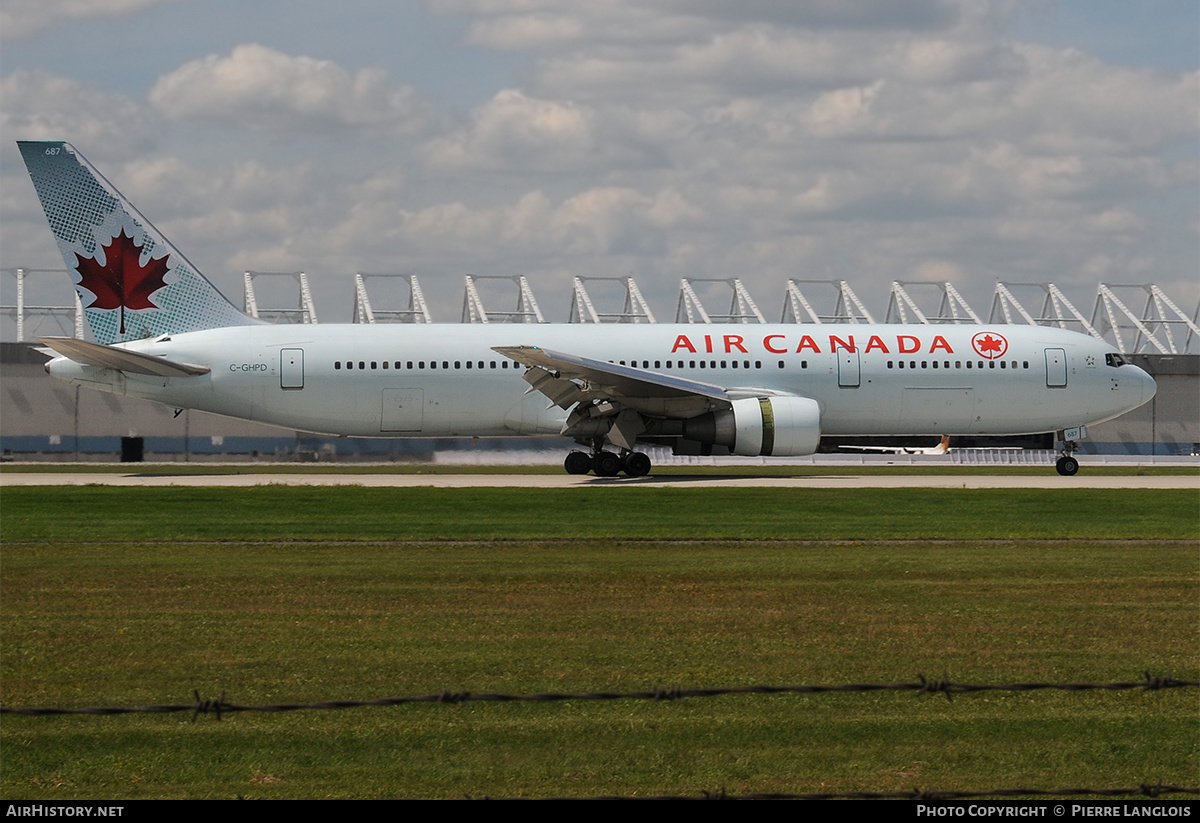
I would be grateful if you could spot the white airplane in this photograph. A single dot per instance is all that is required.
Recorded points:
(163, 332)
(942, 448)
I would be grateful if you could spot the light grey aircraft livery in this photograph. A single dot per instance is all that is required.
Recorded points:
(163, 332)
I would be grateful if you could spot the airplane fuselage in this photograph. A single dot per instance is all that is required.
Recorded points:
(162, 331)
(446, 380)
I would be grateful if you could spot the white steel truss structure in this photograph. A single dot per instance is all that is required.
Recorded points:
(1056, 309)
(473, 311)
(952, 308)
(364, 312)
(1158, 327)
(583, 309)
(305, 311)
(23, 313)
(847, 308)
(742, 308)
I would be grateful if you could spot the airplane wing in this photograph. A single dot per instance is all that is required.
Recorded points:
(113, 357)
(625, 403)
(605, 379)
(611, 397)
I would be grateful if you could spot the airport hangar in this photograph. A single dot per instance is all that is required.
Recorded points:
(44, 419)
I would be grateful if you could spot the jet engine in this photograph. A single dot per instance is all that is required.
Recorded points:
(777, 425)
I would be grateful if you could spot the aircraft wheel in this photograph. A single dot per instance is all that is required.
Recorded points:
(578, 463)
(1067, 466)
(606, 464)
(637, 464)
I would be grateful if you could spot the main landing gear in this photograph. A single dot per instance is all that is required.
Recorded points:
(607, 464)
(1067, 465)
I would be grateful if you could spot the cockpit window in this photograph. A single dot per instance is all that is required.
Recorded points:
(1114, 359)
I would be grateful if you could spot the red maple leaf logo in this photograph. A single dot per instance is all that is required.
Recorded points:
(989, 345)
(122, 282)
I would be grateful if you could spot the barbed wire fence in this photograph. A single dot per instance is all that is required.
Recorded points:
(219, 707)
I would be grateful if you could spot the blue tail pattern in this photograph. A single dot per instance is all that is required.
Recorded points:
(91, 221)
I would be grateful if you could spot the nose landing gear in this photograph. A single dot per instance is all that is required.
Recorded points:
(1067, 465)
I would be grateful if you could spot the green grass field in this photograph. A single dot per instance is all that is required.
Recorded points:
(132, 596)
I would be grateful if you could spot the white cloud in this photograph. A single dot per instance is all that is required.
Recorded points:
(766, 139)
(42, 106)
(24, 18)
(187, 192)
(513, 131)
(263, 89)
(842, 111)
(551, 24)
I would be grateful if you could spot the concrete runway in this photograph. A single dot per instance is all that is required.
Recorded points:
(1046, 480)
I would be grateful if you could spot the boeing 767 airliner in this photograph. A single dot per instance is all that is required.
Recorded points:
(163, 332)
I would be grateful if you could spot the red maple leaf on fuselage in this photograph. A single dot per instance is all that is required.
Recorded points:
(122, 282)
(990, 343)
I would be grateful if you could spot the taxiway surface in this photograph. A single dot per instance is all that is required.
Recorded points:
(554, 481)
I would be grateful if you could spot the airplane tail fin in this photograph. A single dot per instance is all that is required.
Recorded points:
(133, 283)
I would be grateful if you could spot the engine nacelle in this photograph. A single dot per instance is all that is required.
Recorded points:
(783, 426)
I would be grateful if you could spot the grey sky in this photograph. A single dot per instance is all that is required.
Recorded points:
(871, 141)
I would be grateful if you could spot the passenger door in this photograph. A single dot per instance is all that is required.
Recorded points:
(291, 368)
(1056, 368)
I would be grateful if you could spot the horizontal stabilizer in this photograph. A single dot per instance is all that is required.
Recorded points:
(111, 357)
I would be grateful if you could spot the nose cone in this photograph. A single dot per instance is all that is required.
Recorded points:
(1149, 387)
